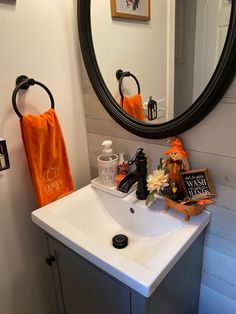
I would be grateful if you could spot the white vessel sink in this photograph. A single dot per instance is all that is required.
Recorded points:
(87, 220)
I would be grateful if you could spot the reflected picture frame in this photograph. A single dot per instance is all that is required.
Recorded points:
(131, 9)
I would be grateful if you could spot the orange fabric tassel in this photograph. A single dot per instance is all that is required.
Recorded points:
(47, 158)
(133, 106)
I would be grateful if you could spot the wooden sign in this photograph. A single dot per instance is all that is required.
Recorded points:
(196, 183)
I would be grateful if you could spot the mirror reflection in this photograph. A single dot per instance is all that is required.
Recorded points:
(172, 56)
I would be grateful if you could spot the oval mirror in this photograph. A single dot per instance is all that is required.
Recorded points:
(182, 95)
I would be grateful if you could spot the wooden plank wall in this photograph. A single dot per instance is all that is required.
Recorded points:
(211, 144)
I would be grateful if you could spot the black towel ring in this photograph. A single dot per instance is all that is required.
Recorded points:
(23, 82)
(120, 75)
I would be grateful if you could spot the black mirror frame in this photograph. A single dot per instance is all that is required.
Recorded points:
(214, 91)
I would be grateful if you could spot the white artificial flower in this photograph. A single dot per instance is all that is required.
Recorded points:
(157, 180)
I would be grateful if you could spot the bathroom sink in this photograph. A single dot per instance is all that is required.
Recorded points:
(88, 219)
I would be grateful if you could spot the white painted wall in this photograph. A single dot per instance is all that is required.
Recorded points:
(135, 46)
(39, 39)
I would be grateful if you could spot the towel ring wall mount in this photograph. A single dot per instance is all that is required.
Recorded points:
(23, 83)
(120, 74)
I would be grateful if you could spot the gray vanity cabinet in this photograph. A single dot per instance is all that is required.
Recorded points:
(82, 288)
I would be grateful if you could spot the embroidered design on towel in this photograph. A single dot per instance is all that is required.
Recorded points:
(47, 158)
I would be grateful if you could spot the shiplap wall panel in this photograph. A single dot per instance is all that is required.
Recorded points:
(219, 267)
(214, 133)
(211, 144)
(221, 244)
(219, 285)
(219, 272)
(212, 302)
(225, 196)
(223, 222)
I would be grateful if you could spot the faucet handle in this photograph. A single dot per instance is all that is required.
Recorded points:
(138, 156)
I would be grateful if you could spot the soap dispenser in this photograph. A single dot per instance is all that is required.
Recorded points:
(107, 165)
(123, 164)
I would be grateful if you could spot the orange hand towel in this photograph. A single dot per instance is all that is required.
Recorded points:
(133, 106)
(47, 158)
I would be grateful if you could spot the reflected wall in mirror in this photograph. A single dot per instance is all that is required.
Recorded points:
(203, 96)
(173, 55)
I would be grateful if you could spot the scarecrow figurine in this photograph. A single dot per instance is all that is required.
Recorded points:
(177, 162)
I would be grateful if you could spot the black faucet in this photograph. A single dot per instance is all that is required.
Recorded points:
(138, 175)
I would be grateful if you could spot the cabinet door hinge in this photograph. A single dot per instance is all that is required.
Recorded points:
(50, 259)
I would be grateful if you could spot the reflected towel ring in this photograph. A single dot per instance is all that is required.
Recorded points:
(120, 75)
(23, 82)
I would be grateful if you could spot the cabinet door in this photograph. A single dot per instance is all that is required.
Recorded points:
(84, 288)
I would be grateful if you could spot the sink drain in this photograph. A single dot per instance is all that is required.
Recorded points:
(120, 241)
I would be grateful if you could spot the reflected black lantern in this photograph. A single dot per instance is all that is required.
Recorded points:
(152, 109)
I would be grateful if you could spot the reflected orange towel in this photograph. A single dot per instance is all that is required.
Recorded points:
(47, 157)
(133, 106)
